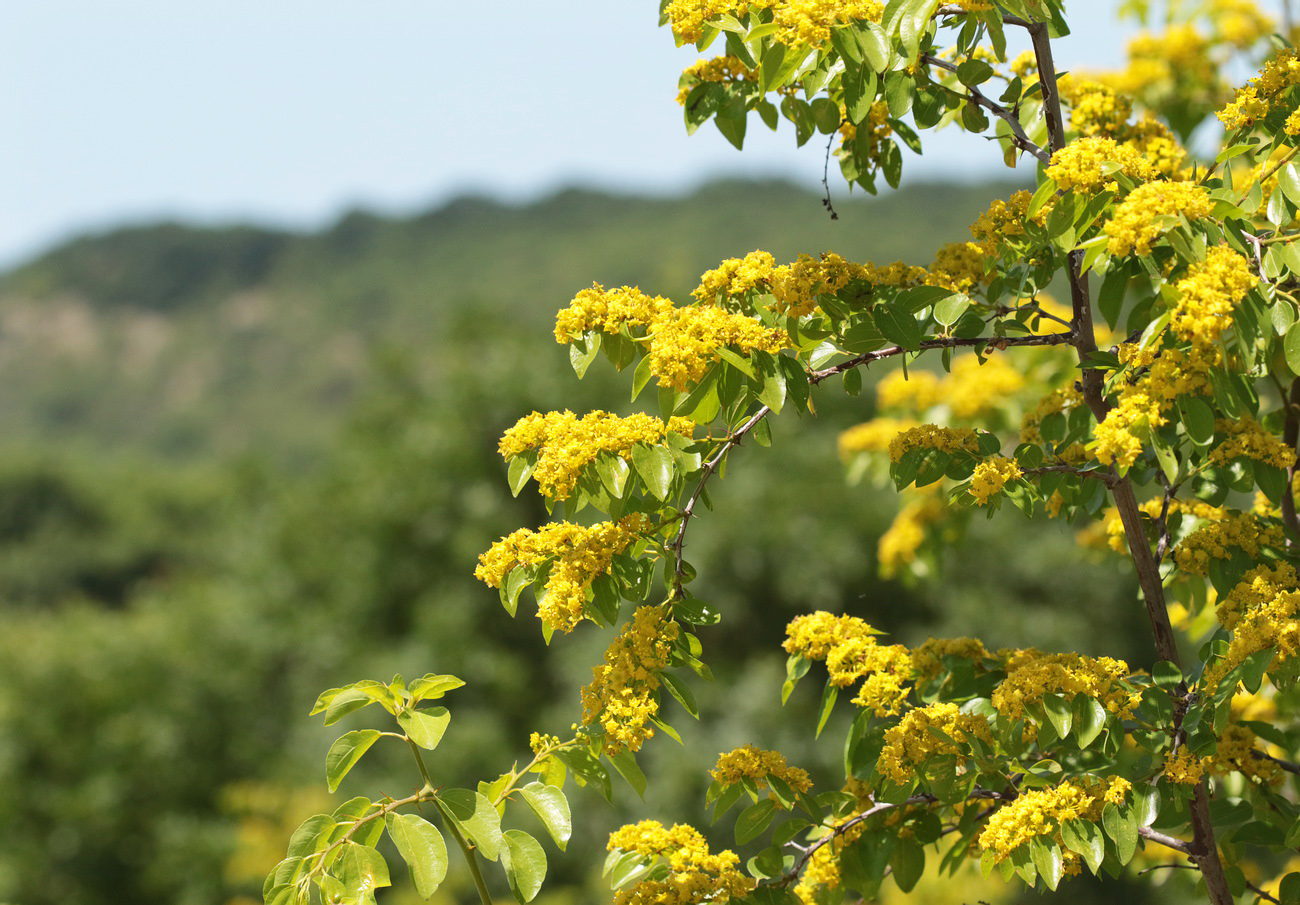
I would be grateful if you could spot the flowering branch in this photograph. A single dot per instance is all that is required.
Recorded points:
(1286, 765)
(1106, 477)
(710, 468)
(949, 342)
(1018, 136)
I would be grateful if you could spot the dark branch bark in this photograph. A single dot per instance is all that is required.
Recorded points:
(998, 342)
(1018, 136)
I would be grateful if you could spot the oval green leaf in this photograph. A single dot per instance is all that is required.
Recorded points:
(345, 752)
(422, 848)
(524, 861)
(475, 816)
(425, 727)
(655, 466)
(552, 809)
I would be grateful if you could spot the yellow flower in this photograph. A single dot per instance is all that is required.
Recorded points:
(623, 694)
(694, 873)
(1032, 674)
(872, 436)
(578, 556)
(1246, 438)
(991, 477)
(1088, 163)
(910, 742)
(1040, 812)
(1148, 212)
(1209, 294)
(898, 546)
(566, 444)
(718, 69)
(684, 343)
(757, 764)
(849, 647)
(607, 310)
(930, 436)
(1261, 94)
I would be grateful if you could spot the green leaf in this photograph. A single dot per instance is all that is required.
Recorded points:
(1047, 860)
(345, 752)
(974, 72)
(624, 762)
(1084, 839)
(826, 114)
(552, 809)
(1121, 826)
(1089, 719)
(908, 863)
(829, 695)
(361, 869)
(655, 466)
(1058, 714)
(1198, 419)
(898, 326)
(875, 47)
(427, 688)
(524, 861)
(914, 24)
(1289, 181)
(681, 692)
(1291, 346)
(425, 727)
(475, 816)
(422, 848)
(950, 310)
(311, 836)
(754, 820)
(345, 702)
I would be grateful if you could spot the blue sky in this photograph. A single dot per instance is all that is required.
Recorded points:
(291, 111)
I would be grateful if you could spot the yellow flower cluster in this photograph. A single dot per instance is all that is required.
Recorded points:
(566, 444)
(1185, 768)
(1095, 109)
(1262, 612)
(694, 873)
(754, 763)
(1118, 439)
(927, 658)
(930, 436)
(622, 696)
(1258, 97)
(1032, 674)
(580, 554)
(960, 266)
(898, 546)
(1240, 23)
(869, 135)
(991, 478)
(717, 69)
(849, 647)
(1059, 401)
(1235, 751)
(1246, 438)
(796, 287)
(683, 342)
(540, 742)
(1089, 163)
(910, 742)
(1161, 64)
(1003, 220)
(1212, 539)
(822, 871)
(1040, 812)
(872, 436)
(1149, 211)
(608, 310)
(799, 22)
(1208, 295)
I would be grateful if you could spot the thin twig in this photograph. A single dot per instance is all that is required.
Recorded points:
(1258, 244)
(1259, 892)
(1160, 838)
(999, 342)
(710, 468)
(1286, 765)
(826, 179)
(1291, 437)
(1018, 135)
(1106, 477)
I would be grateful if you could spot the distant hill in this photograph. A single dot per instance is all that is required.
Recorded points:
(186, 341)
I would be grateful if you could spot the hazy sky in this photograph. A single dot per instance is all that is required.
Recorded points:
(290, 111)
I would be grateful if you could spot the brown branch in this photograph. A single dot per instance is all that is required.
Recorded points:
(1018, 135)
(688, 511)
(959, 11)
(1291, 436)
(999, 342)
(1286, 765)
(1106, 477)
(1160, 838)
(1206, 855)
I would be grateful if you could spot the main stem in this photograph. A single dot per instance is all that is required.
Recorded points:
(485, 897)
(1205, 853)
